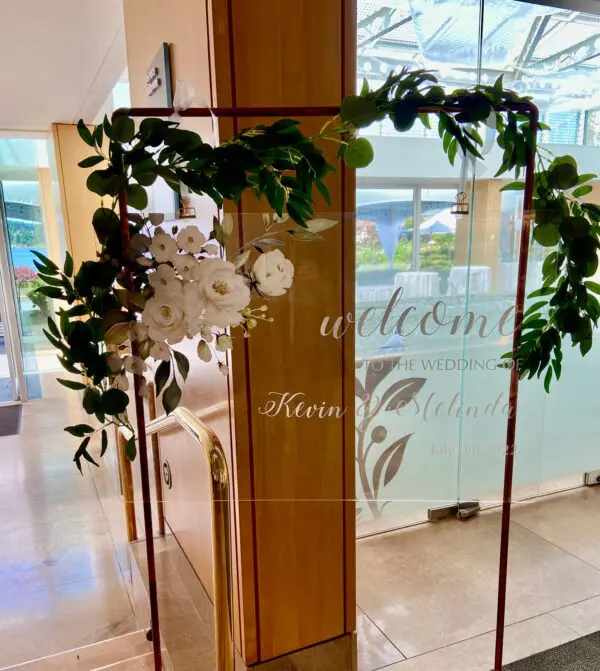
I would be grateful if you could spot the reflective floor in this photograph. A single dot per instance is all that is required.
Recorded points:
(64, 571)
(428, 595)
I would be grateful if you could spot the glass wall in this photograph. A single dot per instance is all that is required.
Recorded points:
(435, 295)
(29, 211)
(413, 253)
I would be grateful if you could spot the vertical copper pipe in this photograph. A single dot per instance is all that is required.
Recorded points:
(127, 485)
(145, 477)
(160, 509)
(511, 426)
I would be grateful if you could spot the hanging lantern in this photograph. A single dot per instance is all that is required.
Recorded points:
(461, 206)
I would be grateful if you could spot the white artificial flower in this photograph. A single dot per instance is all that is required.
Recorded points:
(273, 273)
(211, 249)
(135, 365)
(143, 388)
(138, 331)
(114, 361)
(223, 369)
(160, 351)
(190, 239)
(204, 352)
(187, 266)
(206, 333)
(121, 382)
(280, 220)
(165, 316)
(140, 242)
(220, 294)
(194, 325)
(224, 342)
(163, 247)
(164, 278)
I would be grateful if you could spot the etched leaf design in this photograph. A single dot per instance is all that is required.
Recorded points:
(393, 457)
(377, 370)
(359, 389)
(401, 393)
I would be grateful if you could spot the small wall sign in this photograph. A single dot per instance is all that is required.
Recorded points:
(158, 79)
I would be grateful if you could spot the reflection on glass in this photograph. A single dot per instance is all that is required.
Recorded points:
(412, 253)
(23, 166)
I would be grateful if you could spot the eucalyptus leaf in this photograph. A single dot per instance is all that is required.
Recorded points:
(359, 153)
(171, 396)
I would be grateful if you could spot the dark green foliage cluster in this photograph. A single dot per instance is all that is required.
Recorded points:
(280, 165)
(568, 308)
(565, 305)
(276, 163)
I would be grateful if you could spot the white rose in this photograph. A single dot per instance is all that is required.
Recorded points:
(160, 351)
(190, 239)
(187, 266)
(135, 365)
(273, 273)
(165, 316)
(163, 248)
(219, 294)
(164, 278)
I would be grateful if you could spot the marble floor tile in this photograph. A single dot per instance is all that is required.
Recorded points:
(92, 657)
(374, 649)
(436, 585)
(582, 617)
(569, 520)
(69, 616)
(477, 654)
(62, 581)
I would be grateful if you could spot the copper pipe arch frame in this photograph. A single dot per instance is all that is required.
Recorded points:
(522, 107)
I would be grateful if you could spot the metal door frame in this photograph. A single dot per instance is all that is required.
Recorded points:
(9, 312)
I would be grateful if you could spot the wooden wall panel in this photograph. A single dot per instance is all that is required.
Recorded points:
(78, 204)
(296, 472)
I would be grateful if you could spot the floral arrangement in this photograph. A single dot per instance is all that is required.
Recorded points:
(155, 283)
(151, 287)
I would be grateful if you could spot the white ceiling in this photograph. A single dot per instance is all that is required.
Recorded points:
(59, 60)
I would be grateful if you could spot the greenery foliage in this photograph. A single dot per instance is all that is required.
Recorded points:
(102, 299)
(567, 307)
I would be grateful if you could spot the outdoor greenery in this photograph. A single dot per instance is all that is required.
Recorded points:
(26, 234)
(437, 253)
(152, 288)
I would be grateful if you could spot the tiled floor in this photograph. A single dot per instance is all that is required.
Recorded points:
(428, 594)
(64, 576)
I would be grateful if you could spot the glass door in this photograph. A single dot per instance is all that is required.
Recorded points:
(12, 375)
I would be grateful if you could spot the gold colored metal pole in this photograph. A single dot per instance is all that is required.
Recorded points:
(160, 509)
(216, 462)
(127, 484)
